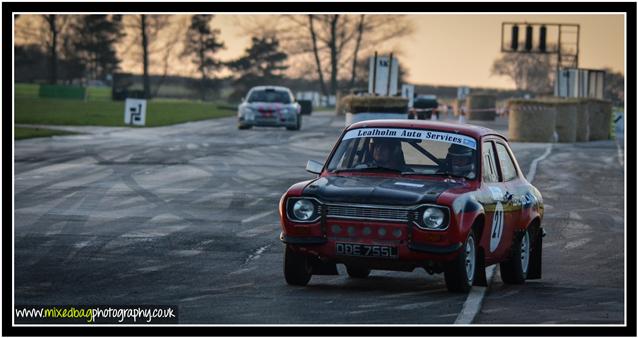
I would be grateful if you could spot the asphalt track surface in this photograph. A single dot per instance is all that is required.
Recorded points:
(186, 215)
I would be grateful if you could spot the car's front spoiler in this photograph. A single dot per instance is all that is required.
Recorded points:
(433, 249)
(303, 240)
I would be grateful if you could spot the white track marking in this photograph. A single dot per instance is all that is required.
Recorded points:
(257, 231)
(578, 243)
(255, 202)
(258, 216)
(621, 157)
(474, 300)
(256, 254)
(532, 168)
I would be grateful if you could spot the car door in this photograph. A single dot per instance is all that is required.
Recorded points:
(492, 200)
(508, 176)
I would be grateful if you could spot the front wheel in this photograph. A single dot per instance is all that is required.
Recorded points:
(514, 270)
(459, 274)
(296, 268)
(296, 126)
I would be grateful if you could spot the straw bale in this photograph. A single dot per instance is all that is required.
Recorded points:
(566, 120)
(531, 120)
(599, 119)
(481, 107)
(582, 121)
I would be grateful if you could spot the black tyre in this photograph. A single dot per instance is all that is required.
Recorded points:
(243, 126)
(514, 270)
(296, 268)
(357, 272)
(459, 274)
(297, 126)
(536, 254)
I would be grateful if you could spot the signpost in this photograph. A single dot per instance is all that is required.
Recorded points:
(407, 91)
(383, 76)
(563, 40)
(135, 112)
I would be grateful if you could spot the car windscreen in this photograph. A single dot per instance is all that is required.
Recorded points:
(408, 151)
(267, 95)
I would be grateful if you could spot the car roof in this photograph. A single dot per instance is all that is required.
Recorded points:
(269, 87)
(465, 129)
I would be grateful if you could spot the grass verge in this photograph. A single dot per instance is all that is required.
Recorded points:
(26, 133)
(29, 110)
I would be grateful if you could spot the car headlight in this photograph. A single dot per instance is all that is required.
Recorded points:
(433, 218)
(303, 210)
(248, 113)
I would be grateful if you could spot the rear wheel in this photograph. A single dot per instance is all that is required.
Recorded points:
(514, 270)
(296, 268)
(459, 274)
(243, 126)
(357, 272)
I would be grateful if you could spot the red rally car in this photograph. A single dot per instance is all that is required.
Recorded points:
(403, 194)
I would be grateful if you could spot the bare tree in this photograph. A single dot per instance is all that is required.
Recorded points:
(174, 36)
(529, 71)
(315, 51)
(357, 46)
(148, 28)
(144, 34)
(335, 41)
(55, 24)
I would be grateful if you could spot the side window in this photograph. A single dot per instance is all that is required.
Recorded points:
(490, 174)
(507, 165)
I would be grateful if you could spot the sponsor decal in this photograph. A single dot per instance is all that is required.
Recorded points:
(417, 134)
(497, 227)
(496, 193)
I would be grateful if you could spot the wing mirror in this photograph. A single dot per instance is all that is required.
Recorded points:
(314, 167)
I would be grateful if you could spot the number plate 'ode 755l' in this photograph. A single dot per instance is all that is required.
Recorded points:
(363, 250)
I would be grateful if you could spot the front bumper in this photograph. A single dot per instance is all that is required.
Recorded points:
(276, 120)
(412, 245)
(416, 247)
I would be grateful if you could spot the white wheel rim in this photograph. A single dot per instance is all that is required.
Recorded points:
(470, 258)
(525, 252)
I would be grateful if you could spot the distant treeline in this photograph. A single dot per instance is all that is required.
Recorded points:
(31, 67)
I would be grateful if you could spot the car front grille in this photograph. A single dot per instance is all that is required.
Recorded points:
(368, 212)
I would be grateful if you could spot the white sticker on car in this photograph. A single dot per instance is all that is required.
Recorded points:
(497, 227)
(496, 193)
(418, 134)
(409, 184)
